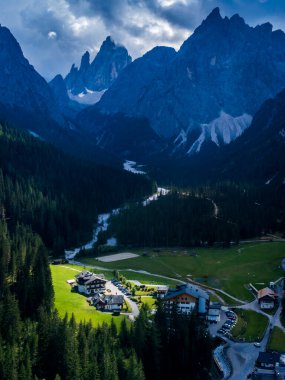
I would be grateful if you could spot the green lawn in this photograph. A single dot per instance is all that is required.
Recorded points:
(250, 325)
(228, 269)
(277, 340)
(69, 302)
(150, 301)
(107, 273)
(146, 278)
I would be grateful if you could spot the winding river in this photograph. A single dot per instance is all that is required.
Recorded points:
(103, 219)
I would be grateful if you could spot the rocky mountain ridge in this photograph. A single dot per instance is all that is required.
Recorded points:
(224, 67)
(98, 75)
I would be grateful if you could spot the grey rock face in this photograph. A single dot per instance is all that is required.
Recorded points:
(225, 67)
(101, 73)
(21, 87)
(68, 107)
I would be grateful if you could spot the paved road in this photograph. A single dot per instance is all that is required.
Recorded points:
(242, 357)
(216, 208)
(114, 290)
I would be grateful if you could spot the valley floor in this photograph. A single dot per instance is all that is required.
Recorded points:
(230, 270)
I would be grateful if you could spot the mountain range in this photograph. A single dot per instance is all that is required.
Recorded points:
(207, 91)
(195, 110)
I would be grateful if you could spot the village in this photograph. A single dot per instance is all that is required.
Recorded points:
(121, 297)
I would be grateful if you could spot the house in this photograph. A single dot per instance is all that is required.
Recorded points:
(214, 312)
(90, 283)
(186, 298)
(108, 302)
(267, 360)
(161, 290)
(267, 298)
(269, 366)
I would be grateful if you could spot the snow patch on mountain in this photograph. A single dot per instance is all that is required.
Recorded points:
(222, 130)
(131, 166)
(196, 146)
(270, 180)
(34, 134)
(181, 139)
(87, 96)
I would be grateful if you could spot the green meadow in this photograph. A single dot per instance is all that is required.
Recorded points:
(250, 325)
(277, 340)
(70, 302)
(230, 269)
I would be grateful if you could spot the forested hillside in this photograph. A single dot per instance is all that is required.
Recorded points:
(57, 195)
(44, 191)
(35, 343)
(224, 212)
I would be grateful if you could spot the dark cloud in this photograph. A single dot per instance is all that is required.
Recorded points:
(54, 33)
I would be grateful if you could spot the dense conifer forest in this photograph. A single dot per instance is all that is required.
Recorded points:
(58, 195)
(223, 213)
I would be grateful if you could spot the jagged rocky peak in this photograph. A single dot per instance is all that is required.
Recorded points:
(98, 75)
(109, 43)
(85, 62)
(213, 17)
(21, 86)
(58, 88)
(10, 48)
(224, 65)
(67, 106)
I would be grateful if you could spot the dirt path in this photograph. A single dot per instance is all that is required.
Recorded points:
(216, 208)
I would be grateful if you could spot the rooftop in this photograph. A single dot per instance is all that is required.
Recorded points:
(88, 277)
(189, 289)
(266, 292)
(268, 357)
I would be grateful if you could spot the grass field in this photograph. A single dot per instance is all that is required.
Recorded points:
(250, 325)
(228, 269)
(277, 340)
(150, 301)
(69, 302)
(147, 279)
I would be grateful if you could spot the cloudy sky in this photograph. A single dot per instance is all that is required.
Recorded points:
(55, 33)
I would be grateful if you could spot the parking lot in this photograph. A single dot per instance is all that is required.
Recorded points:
(123, 289)
(224, 327)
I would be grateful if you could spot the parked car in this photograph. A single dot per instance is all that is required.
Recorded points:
(257, 344)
